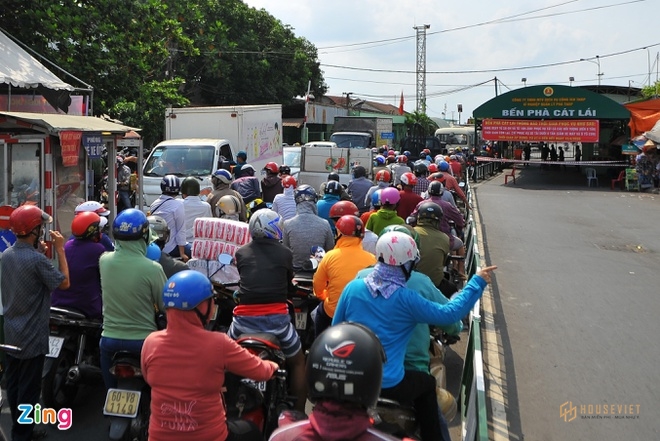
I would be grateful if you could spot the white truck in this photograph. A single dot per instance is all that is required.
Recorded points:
(362, 131)
(200, 140)
(316, 163)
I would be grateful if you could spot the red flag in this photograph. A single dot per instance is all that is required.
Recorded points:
(401, 104)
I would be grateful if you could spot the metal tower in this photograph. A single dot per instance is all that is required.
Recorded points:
(421, 67)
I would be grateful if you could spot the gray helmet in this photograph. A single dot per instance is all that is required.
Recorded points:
(158, 226)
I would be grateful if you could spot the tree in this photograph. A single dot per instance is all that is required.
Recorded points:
(144, 55)
(651, 91)
(418, 121)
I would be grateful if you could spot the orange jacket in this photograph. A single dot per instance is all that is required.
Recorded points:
(339, 266)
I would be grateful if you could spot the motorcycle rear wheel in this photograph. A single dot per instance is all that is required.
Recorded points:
(56, 393)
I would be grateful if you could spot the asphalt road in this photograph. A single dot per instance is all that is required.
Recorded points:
(576, 304)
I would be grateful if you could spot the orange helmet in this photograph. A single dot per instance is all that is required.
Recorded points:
(86, 225)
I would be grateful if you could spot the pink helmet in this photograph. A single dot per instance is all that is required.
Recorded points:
(390, 195)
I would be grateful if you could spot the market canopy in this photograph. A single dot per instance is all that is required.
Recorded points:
(20, 69)
(643, 116)
(56, 123)
(551, 102)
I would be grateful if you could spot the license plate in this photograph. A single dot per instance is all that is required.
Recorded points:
(121, 403)
(301, 320)
(54, 346)
(259, 385)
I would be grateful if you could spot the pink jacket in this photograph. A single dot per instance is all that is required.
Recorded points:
(185, 367)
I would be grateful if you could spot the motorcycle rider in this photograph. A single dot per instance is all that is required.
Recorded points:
(343, 208)
(386, 215)
(331, 196)
(131, 285)
(82, 255)
(247, 185)
(338, 267)
(433, 243)
(408, 199)
(382, 303)
(306, 229)
(271, 184)
(383, 179)
(221, 181)
(194, 410)
(341, 405)
(266, 271)
(193, 205)
(229, 207)
(28, 277)
(421, 171)
(123, 185)
(285, 204)
(359, 187)
(160, 235)
(174, 213)
(103, 212)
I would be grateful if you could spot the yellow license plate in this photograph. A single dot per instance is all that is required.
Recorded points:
(122, 403)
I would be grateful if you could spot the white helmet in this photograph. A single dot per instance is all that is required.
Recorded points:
(266, 223)
(94, 206)
(229, 204)
(396, 249)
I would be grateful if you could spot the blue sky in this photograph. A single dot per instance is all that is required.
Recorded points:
(471, 42)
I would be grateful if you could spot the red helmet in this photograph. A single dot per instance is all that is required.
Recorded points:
(433, 168)
(383, 176)
(350, 226)
(289, 181)
(343, 208)
(402, 158)
(26, 218)
(272, 167)
(426, 152)
(409, 179)
(390, 153)
(86, 225)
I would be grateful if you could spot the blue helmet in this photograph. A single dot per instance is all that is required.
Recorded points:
(305, 193)
(186, 289)
(380, 159)
(223, 176)
(443, 166)
(375, 198)
(407, 153)
(170, 184)
(153, 252)
(130, 224)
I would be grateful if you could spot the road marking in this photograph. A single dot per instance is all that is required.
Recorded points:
(494, 368)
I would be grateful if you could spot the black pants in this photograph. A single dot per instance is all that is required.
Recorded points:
(23, 387)
(322, 320)
(417, 389)
(241, 430)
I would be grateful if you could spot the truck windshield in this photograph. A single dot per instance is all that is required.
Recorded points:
(351, 141)
(180, 160)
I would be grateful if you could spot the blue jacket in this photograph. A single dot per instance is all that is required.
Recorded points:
(394, 319)
(323, 208)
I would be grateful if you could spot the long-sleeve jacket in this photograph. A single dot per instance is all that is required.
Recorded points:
(185, 366)
(338, 267)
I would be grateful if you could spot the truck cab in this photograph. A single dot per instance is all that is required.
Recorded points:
(198, 157)
(354, 140)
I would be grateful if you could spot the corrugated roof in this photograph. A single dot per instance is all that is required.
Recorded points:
(56, 123)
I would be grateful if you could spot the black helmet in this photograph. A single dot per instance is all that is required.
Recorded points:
(345, 363)
(305, 193)
(170, 184)
(421, 169)
(359, 171)
(190, 186)
(333, 187)
(285, 170)
(333, 176)
(435, 188)
(429, 210)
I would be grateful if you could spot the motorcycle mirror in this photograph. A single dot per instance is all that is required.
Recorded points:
(225, 259)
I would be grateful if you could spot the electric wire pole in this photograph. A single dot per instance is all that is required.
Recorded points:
(421, 67)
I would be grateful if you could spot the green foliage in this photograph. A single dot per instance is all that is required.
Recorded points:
(141, 56)
(651, 91)
(417, 120)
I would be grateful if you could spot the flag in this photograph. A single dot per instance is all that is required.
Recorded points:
(401, 104)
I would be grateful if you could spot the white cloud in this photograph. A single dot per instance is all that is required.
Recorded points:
(562, 37)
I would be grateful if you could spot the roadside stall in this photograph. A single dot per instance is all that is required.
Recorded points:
(47, 161)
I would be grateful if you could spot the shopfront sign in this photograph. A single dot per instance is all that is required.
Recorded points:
(540, 130)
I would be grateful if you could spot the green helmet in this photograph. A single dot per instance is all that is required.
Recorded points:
(190, 186)
(407, 229)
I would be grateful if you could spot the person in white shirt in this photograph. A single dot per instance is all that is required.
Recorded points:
(173, 212)
(193, 204)
(284, 204)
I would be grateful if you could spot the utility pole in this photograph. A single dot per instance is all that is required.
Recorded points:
(421, 67)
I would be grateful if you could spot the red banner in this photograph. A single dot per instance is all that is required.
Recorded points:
(540, 130)
(70, 142)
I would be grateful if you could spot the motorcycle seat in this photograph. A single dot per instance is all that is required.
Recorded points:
(267, 339)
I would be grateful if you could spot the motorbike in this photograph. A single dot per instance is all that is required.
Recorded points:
(303, 302)
(73, 358)
(128, 405)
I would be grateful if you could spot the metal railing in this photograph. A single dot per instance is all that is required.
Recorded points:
(482, 170)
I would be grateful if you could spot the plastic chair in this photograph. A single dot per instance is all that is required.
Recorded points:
(591, 176)
(510, 175)
(620, 180)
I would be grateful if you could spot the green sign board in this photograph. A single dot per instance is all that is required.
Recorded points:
(629, 149)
